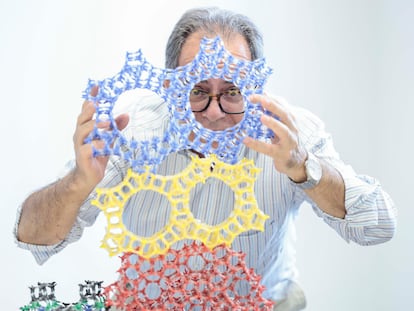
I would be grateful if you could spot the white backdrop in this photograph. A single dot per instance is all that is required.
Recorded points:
(349, 61)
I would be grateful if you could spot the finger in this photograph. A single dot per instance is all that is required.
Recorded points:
(122, 121)
(88, 110)
(86, 152)
(259, 146)
(93, 92)
(277, 127)
(98, 144)
(275, 107)
(82, 132)
(88, 106)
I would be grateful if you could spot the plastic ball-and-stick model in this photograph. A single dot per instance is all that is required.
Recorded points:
(212, 61)
(206, 274)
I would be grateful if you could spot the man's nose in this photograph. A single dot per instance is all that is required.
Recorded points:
(213, 111)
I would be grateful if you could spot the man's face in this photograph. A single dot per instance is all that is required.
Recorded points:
(213, 117)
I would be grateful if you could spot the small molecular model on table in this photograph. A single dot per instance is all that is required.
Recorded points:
(43, 298)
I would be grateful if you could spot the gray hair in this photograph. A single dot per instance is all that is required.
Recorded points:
(212, 20)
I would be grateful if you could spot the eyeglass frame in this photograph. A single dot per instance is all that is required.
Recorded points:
(217, 96)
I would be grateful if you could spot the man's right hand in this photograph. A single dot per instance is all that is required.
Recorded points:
(90, 170)
(48, 214)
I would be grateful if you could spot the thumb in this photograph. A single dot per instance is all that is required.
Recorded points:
(122, 121)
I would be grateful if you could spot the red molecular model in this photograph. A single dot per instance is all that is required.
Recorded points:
(191, 278)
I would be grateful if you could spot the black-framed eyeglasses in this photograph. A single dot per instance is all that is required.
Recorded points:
(230, 101)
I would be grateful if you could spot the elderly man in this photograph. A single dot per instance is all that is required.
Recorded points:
(298, 164)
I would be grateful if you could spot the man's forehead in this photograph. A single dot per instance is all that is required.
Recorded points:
(236, 45)
(218, 81)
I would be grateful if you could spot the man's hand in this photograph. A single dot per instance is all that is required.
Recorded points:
(49, 213)
(90, 170)
(288, 155)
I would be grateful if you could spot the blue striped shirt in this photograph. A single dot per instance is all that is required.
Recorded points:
(370, 217)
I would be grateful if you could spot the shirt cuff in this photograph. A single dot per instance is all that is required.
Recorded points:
(42, 253)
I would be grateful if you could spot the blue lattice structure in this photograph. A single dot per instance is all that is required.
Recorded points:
(173, 86)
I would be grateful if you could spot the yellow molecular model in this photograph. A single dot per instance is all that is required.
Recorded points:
(182, 224)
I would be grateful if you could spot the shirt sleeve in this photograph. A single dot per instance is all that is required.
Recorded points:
(148, 116)
(86, 217)
(42, 253)
(370, 212)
